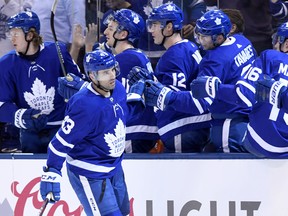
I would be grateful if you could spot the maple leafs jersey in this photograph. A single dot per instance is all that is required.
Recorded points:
(144, 127)
(271, 63)
(176, 69)
(33, 83)
(92, 136)
(267, 131)
(227, 62)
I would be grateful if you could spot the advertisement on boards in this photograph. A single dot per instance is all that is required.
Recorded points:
(162, 188)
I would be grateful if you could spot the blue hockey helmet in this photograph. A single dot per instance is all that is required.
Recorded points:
(282, 32)
(99, 60)
(166, 13)
(214, 23)
(25, 20)
(129, 21)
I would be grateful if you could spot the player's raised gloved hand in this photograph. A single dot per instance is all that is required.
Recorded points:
(136, 91)
(70, 85)
(30, 119)
(269, 90)
(102, 46)
(205, 86)
(137, 73)
(156, 94)
(50, 183)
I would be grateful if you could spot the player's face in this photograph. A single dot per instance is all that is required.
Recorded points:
(107, 78)
(109, 32)
(205, 41)
(156, 31)
(17, 38)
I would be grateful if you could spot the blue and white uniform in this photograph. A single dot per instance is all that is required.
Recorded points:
(266, 134)
(92, 141)
(181, 132)
(227, 62)
(142, 133)
(32, 83)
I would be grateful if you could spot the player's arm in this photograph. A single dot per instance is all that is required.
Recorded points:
(60, 145)
(278, 8)
(274, 92)
(182, 101)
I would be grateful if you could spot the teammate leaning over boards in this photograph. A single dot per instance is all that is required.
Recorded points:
(28, 83)
(176, 68)
(224, 60)
(267, 130)
(266, 134)
(124, 28)
(92, 140)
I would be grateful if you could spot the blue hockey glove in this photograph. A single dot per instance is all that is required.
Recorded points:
(50, 183)
(136, 91)
(269, 90)
(30, 119)
(205, 86)
(137, 73)
(102, 46)
(70, 85)
(156, 94)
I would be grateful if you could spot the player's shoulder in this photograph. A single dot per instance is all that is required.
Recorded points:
(270, 54)
(9, 59)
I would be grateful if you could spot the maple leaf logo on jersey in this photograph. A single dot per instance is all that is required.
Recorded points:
(40, 99)
(116, 142)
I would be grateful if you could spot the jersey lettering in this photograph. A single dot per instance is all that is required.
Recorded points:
(245, 55)
(67, 125)
(179, 80)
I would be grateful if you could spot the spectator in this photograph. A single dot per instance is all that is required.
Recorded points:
(94, 135)
(177, 67)
(28, 82)
(68, 13)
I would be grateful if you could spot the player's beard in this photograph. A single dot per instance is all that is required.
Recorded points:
(105, 85)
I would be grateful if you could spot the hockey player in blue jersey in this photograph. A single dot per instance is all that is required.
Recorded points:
(124, 28)
(224, 61)
(92, 140)
(267, 130)
(28, 83)
(177, 67)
